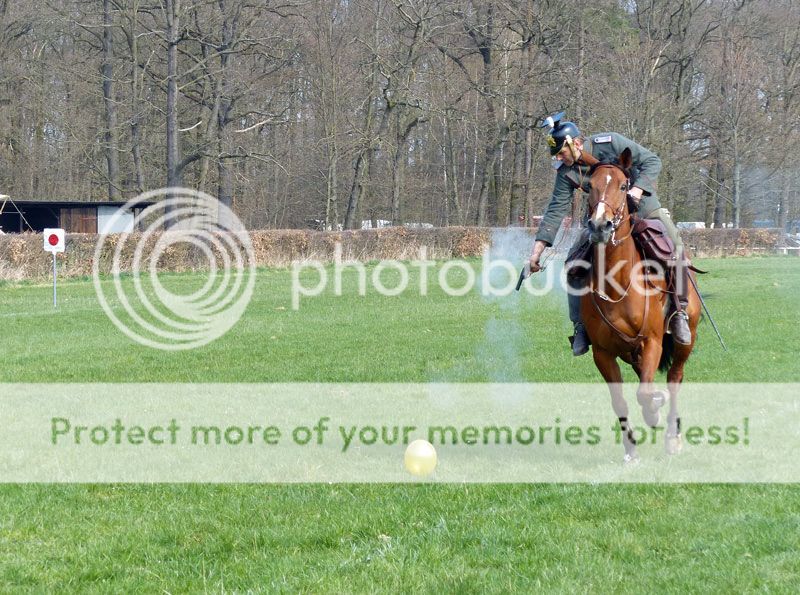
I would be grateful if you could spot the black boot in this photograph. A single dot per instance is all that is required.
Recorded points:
(580, 341)
(679, 327)
(679, 323)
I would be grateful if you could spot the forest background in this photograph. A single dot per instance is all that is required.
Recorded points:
(328, 113)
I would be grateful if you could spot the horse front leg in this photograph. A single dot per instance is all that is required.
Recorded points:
(648, 397)
(609, 368)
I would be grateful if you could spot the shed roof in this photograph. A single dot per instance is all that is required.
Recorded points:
(79, 203)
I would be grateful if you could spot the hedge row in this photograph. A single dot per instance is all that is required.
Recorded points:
(22, 255)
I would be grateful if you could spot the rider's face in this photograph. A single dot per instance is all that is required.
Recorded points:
(565, 154)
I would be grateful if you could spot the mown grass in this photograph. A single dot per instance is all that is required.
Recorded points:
(335, 538)
(408, 338)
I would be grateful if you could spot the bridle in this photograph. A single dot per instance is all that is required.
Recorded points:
(618, 213)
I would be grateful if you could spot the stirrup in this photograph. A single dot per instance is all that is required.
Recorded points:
(679, 327)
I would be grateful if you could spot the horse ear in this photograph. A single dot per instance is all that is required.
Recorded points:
(626, 159)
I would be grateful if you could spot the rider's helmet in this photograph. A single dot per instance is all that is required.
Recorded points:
(561, 131)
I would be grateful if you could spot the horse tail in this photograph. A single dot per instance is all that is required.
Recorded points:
(667, 351)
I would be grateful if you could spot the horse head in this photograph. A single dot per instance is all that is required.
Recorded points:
(609, 184)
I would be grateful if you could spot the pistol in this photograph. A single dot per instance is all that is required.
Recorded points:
(523, 274)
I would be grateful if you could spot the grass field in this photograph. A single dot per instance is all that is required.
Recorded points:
(335, 538)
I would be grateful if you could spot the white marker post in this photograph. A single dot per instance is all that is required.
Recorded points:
(54, 242)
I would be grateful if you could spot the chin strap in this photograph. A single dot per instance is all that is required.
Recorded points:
(574, 151)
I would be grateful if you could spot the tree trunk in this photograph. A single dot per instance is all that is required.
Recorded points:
(332, 194)
(451, 175)
(719, 201)
(107, 71)
(363, 161)
(210, 136)
(136, 116)
(356, 190)
(174, 173)
(783, 205)
(224, 105)
(398, 165)
(737, 181)
(517, 204)
(487, 203)
(332, 132)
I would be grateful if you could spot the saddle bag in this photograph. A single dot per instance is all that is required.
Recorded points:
(651, 237)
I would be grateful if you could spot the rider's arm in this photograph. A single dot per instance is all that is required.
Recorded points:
(557, 209)
(646, 163)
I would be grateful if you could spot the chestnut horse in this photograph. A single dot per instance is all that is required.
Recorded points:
(625, 305)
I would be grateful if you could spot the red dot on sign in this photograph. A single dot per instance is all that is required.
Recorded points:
(52, 239)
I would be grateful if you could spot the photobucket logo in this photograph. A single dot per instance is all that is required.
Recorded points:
(492, 278)
(181, 224)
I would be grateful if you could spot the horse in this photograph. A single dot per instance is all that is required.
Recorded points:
(624, 308)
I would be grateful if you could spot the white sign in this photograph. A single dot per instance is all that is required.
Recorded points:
(54, 240)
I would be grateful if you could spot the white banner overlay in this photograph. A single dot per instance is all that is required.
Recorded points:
(301, 432)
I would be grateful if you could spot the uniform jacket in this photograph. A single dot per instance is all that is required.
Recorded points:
(605, 147)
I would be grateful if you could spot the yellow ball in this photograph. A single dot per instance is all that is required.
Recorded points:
(420, 458)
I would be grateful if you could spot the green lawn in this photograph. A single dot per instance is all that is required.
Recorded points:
(334, 538)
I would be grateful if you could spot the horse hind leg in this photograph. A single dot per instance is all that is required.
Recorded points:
(673, 440)
(609, 369)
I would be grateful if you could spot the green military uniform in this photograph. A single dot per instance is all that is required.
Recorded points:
(604, 147)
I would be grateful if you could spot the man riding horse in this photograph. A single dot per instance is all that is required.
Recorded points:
(569, 149)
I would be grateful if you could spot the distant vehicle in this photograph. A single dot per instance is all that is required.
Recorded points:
(691, 225)
(319, 225)
(379, 224)
(418, 225)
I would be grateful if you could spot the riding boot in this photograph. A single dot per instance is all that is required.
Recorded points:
(679, 320)
(580, 340)
(679, 327)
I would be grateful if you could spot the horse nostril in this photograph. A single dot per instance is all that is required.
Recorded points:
(608, 225)
(590, 225)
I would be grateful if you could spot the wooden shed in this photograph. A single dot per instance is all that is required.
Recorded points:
(18, 216)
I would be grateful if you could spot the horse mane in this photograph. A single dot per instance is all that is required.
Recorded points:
(615, 163)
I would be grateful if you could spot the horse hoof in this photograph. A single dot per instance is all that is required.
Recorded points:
(660, 398)
(673, 444)
(630, 460)
(651, 407)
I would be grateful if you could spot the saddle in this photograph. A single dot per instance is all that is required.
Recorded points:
(651, 240)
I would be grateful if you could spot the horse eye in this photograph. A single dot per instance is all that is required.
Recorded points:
(624, 187)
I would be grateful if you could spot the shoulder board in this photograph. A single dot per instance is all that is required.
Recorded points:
(557, 163)
(602, 139)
